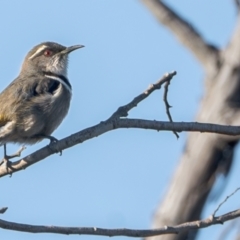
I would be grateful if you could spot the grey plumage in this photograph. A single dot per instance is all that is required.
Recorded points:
(37, 101)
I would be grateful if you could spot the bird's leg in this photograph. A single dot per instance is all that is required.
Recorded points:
(7, 157)
(5, 150)
(52, 140)
(16, 154)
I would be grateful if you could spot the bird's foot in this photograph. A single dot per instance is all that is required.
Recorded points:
(8, 165)
(6, 158)
(53, 140)
(16, 154)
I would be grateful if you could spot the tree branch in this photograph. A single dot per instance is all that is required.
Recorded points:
(109, 125)
(82, 135)
(120, 232)
(206, 53)
(115, 122)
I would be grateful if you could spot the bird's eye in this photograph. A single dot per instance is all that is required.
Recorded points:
(47, 53)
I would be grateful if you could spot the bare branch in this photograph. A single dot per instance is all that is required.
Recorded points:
(177, 126)
(207, 54)
(109, 125)
(123, 110)
(115, 122)
(120, 232)
(81, 136)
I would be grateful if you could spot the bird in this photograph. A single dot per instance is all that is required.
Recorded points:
(34, 104)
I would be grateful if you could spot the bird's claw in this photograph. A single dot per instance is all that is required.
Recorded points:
(6, 158)
(8, 165)
(54, 140)
(16, 154)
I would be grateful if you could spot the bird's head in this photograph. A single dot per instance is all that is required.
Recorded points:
(48, 57)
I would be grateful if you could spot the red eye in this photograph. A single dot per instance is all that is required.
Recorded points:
(47, 53)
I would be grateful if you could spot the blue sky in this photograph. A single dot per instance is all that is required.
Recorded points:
(117, 179)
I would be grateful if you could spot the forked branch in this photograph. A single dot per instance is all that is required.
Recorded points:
(116, 122)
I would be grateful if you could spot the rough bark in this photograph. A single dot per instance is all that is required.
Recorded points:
(205, 155)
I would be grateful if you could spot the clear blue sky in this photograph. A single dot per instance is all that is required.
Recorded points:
(117, 179)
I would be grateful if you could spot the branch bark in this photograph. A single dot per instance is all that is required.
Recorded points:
(207, 54)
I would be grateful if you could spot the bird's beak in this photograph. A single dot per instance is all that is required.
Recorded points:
(70, 49)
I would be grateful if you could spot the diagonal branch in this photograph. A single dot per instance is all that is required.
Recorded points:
(116, 122)
(82, 135)
(206, 53)
(120, 232)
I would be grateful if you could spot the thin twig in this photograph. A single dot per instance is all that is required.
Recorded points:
(168, 106)
(225, 200)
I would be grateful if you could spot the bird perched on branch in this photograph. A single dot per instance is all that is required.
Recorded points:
(37, 101)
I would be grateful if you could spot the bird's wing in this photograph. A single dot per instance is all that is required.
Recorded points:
(3, 120)
(24, 89)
